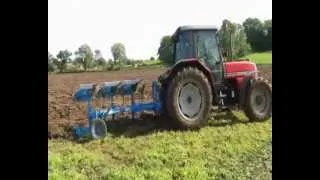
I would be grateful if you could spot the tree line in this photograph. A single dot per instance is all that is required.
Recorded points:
(237, 40)
(85, 59)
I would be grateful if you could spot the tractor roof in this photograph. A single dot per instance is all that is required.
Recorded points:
(195, 27)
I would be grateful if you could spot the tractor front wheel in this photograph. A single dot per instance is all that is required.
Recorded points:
(258, 104)
(189, 98)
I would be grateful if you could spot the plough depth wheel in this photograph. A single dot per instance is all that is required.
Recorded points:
(98, 129)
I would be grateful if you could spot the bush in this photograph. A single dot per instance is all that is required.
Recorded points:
(73, 69)
(129, 62)
(116, 67)
(109, 67)
(51, 67)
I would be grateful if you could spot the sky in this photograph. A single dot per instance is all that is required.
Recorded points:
(138, 24)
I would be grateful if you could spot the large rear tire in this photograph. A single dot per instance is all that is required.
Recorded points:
(258, 104)
(189, 98)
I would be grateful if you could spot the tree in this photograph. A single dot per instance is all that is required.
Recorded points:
(152, 58)
(165, 51)
(233, 40)
(99, 60)
(118, 52)
(84, 56)
(63, 59)
(51, 60)
(225, 37)
(268, 34)
(240, 45)
(259, 34)
(254, 31)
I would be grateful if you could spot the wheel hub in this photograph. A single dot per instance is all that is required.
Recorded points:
(190, 100)
(259, 100)
(99, 129)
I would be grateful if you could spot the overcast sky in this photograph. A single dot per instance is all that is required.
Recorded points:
(138, 24)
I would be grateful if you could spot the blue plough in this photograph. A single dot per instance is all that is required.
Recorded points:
(97, 117)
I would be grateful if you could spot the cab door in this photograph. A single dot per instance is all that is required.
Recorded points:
(207, 48)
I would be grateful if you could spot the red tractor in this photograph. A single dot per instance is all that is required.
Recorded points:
(200, 79)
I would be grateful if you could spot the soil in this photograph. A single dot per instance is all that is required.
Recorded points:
(265, 71)
(63, 112)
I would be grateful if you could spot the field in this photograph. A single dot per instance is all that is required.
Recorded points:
(229, 148)
(261, 58)
(62, 111)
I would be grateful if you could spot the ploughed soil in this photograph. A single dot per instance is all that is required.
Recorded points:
(63, 112)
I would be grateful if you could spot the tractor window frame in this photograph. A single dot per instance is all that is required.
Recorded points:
(178, 42)
(219, 47)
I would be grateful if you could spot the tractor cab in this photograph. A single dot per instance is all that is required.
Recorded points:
(200, 43)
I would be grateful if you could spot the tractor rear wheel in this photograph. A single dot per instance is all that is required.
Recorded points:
(258, 104)
(189, 98)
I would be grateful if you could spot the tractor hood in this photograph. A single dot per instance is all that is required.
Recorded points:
(239, 68)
